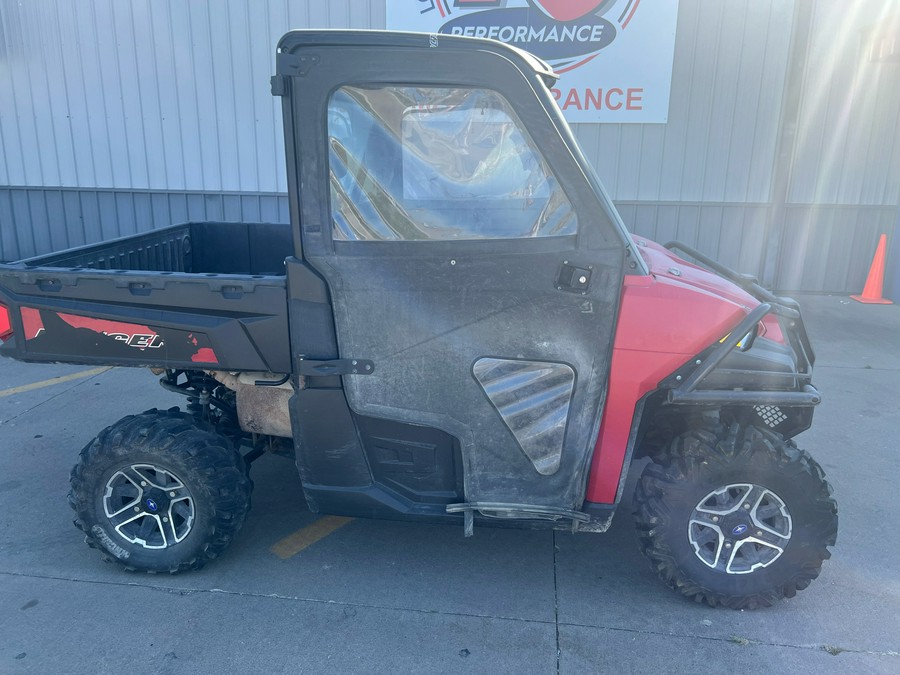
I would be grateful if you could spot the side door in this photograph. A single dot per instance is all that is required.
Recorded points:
(467, 255)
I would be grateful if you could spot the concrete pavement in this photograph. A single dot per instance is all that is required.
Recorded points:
(377, 596)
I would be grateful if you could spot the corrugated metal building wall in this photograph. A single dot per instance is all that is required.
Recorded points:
(117, 117)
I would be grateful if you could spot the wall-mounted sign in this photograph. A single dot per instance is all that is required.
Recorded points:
(614, 57)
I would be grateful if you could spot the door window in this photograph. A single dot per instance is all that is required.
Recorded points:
(437, 163)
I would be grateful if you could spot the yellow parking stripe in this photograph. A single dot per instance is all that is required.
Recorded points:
(305, 537)
(52, 381)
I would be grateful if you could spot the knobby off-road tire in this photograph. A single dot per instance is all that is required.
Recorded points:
(158, 493)
(730, 478)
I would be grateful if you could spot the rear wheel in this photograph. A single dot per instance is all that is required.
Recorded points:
(735, 517)
(158, 493)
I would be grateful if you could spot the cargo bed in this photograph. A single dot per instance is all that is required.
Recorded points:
(196, 295)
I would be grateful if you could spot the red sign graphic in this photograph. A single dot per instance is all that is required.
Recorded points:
(567, 10)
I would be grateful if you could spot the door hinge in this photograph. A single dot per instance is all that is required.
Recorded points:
(311, 368)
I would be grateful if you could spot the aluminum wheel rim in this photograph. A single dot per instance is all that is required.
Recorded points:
(148, 506)
(740, 528)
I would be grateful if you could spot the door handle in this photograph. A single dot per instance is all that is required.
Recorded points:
(574, 279)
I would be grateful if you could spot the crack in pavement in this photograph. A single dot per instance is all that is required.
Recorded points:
(819, 366)
(174, 590)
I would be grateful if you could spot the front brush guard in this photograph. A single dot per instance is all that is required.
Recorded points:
(685, 385)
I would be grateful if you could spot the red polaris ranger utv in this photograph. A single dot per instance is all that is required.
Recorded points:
(455, 326)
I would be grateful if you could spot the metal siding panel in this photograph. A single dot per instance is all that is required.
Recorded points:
(709, 231)
(48, 101)
(768, 93)
(651, 161)
(723, 92)
(178, 209)
(666, 223)
(244, 90)
(56, 219)
(261, 45)
(72, 217)
(688, 224)
(128, 81)
(892, 176)
(231, 206)
(830, 249)
(645, 220)
(65, 79)
(95, 138)
(205, 207)
(160, 213)
(675, 139)
(377, 11)
(22, 214)
(277, 25)
(881, 165)
(9, 240)
(250, 209)
(729, 242)
(12, 172)
(126, 221)
(268, 209)
(752, 246)
(629, 150)
(108, 218)
(164, 88)
(197, 208)
(588, 138)
(626, 213)
(338, 13)
(149, 95)
(26, 166)
(89, 207)
(848, 124)
(182, 73)
(227, 132)
(608, 146)
(40, 226)
(284, 210)
(700, 105)
(118, 133)
(143, 212)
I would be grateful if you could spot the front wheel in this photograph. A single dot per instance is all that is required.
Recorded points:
(738, 518)
(159, 494)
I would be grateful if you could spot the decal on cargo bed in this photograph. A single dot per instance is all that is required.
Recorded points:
(63, 334)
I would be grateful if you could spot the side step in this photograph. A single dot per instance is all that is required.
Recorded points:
(501, 510)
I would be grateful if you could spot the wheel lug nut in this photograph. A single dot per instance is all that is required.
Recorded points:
(165, 519)
(143, 483)
(727, 544)
(747, 506)
(715, 519)
(137, 508)
(171, 494)
(759, 533)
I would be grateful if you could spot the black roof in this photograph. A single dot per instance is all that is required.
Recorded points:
(385, 38)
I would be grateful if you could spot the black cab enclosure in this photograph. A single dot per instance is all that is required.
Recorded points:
(457, 253)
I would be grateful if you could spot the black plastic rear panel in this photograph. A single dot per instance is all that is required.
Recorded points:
(208, 295)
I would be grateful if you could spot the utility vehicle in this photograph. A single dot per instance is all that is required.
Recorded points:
(455, 326)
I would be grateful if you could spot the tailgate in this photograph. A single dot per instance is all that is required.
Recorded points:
(137, 318)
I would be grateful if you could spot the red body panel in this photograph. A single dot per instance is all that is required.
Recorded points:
(665, 319)
(119, 334)
(5, 323)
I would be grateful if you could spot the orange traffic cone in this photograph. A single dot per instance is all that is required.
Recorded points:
(871, 294)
